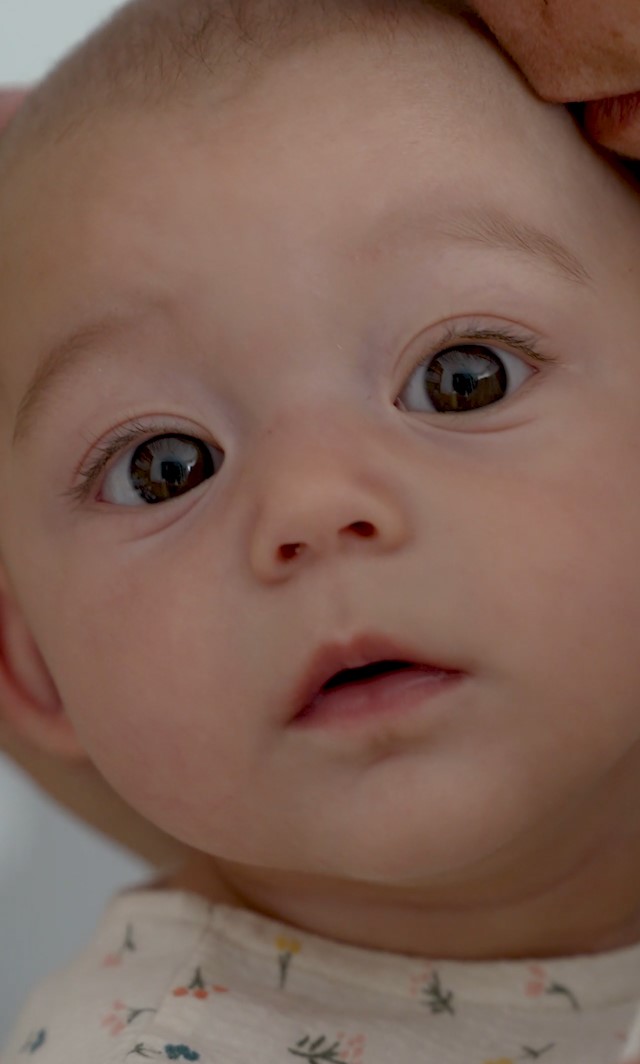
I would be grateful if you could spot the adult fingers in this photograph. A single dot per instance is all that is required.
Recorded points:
(616, 125)
(581, 51)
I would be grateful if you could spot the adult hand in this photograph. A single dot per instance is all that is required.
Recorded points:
(574, 51)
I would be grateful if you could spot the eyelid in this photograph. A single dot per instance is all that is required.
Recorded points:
(115, 442)
(510, 336)
(471, 331)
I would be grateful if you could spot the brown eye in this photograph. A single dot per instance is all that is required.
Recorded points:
(161, 468)
(463, 378)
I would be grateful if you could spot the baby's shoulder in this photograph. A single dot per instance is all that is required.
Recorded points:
(113, 1000)
(77, 1015)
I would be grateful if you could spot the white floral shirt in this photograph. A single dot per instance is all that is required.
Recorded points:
(170, 976)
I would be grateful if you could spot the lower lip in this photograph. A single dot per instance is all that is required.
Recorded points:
(605, 119)
(379, 696)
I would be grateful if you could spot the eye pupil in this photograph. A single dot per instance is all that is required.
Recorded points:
(172, 472)
(465, 377)
(464, 383)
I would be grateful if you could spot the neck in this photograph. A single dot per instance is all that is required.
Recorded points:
(593, 909)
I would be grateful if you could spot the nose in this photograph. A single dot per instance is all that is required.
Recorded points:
(321, 503)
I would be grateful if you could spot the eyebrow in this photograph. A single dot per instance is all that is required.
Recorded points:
(494, 228)
(488, 227)
(72, 352)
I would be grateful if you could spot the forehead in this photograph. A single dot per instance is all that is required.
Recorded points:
(441, 85)
(325, 149)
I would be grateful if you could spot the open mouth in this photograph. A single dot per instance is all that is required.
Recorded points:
(366, 672)
(381, 686)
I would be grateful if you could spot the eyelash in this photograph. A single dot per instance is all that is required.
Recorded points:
(115, 443)
(524, 343)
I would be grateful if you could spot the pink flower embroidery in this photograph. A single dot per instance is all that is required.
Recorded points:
(535, 987)
(112, 960)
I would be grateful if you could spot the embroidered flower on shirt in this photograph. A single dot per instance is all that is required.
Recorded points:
(529, 1054)
(287, 948)
(178, 1052)
(540, 983)
(352, 1047)
(425, 983)
(112, 960)
(438, 999)
(197, 988)
(170, 1052)
(121, 1016)
(317, 1051)
(34, 1041)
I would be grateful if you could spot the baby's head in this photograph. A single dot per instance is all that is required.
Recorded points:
(377, 308)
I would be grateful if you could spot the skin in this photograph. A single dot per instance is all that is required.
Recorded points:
(577, 50)
(10, 100)
(77, 786)
(502, 818)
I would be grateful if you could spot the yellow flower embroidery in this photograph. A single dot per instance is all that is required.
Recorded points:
(286, 947)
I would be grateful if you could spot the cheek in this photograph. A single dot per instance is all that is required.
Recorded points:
(156, 692)
(563, 598)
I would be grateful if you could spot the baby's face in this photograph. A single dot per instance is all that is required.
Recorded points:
(277, 268)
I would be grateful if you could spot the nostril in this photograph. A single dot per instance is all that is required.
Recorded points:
(289, 550)
(363, 528)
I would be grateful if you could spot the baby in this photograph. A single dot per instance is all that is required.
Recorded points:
(355, 318)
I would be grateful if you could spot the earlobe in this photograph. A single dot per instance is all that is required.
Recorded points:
(30, 705)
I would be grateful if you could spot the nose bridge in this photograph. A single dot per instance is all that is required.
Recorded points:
(324, 486)
(313, 420)
(318, 433)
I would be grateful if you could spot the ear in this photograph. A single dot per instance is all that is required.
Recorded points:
(30, 705)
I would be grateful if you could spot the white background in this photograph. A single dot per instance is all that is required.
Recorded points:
(56, 875)
(35, 33)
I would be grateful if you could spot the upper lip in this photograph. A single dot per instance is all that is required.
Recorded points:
(361, 650)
